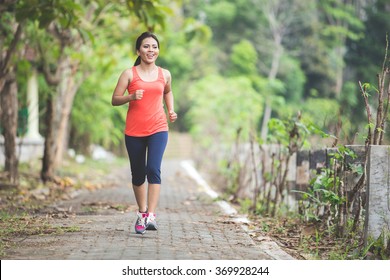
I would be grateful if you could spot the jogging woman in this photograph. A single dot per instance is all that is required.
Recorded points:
(146, 132)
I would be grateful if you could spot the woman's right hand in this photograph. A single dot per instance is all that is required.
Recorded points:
(138, 94)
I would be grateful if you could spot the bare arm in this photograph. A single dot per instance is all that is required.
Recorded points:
(168, 97)
(119, 97)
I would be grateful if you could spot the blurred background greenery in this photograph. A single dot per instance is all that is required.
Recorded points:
(235, 63)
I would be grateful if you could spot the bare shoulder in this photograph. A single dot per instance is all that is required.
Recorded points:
(167, 75)
(127, 74)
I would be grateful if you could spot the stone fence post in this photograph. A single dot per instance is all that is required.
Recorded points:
(377, 219)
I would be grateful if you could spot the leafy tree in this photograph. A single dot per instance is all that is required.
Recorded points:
(340, 23)
(283, 19)
(363, 61)
(221, 107)
(365, 56)
(14, 17)
(243, 59)
(293, 78)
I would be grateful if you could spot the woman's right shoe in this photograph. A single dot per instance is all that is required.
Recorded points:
(140, 224)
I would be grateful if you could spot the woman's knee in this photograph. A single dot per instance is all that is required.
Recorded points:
(138, 181)
(153, 175)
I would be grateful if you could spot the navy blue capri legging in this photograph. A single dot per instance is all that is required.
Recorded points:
(145, 155)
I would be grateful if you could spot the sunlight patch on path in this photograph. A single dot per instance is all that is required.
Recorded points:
(226, 207)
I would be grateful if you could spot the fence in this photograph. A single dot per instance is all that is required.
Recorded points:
(257, 178)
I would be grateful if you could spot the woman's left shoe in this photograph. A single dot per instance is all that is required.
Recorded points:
(151, 223)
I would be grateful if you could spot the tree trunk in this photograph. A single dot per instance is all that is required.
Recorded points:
(47, 172)
(57, 117)
(339, 80)
(9, 120)
(9, 105)
(266, 118)
(276, 57)
(66, 93)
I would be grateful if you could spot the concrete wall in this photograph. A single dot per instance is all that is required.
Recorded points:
(27, 149)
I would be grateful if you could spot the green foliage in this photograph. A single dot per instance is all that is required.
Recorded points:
(7, 32)
(245, 205)
(293, 132)
(243, 59)
(151, 12)
(321, 109)
(220, 13)
(350, 95)
(221, 107)
(179, 61)
(196, 31)
(378, 248)
(278, 131)
(324, 192)
(46, 11)
(293, 78)
(342, 21)
(365, 56)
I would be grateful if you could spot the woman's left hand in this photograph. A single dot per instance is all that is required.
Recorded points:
(172, 116)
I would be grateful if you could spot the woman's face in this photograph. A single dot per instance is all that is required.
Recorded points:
(149, 50)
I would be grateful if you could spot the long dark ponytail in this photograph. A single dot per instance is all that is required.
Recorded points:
(138, 43)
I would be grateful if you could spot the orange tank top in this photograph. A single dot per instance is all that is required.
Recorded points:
(146, 116)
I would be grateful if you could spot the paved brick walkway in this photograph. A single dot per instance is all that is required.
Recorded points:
(191, 226)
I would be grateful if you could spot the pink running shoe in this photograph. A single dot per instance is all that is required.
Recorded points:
(140, 224)
(151, 223)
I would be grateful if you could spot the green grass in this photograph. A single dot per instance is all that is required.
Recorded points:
(14, 228)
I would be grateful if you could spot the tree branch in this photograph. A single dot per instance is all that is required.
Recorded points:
(11, 49)
(364, 93)
(51, 79)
